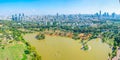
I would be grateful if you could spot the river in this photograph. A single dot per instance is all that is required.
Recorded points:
(63, 48)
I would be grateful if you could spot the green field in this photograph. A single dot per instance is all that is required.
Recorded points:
(12, 52)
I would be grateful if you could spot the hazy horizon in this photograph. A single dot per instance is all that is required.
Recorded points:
(43, 7)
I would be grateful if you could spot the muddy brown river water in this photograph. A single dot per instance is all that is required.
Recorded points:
(63, 48)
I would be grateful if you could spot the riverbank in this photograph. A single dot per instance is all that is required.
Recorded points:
(117, 57)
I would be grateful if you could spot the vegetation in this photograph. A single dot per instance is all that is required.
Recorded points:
(13, 43)
(12, 32)
(40, 36)
(85, 47)
(75, 36)
(27, 52)
(12, 52)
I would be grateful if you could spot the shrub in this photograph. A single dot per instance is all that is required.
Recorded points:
(27, 51)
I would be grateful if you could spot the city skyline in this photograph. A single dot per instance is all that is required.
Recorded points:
(42, 7)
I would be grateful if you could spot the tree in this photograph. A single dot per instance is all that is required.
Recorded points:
(24, 57)
(117, 40)
(27, 51)
(75, 36)
(85, 47)
(40, 36)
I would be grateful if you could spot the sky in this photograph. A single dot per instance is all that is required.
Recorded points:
(41, 7)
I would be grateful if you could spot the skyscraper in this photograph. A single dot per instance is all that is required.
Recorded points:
(15, 17)
(57, 15)
(113, 15)
(18, 17)
(100, 14)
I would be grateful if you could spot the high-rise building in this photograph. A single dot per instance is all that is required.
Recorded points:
(113, 15)
(100, 13)
(107, 14)
(23, 14)
(57, 15)
(18, 17)
(97, 14)
(15, 17)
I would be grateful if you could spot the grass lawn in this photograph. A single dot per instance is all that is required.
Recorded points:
(12, 52)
